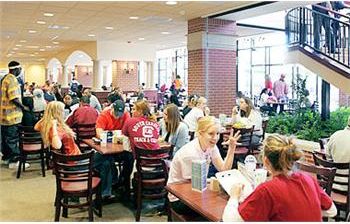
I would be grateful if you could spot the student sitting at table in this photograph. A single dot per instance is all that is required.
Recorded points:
(142, 129)
(84, 114)
(173, 130)
(56, 134)
(289, 196)
(197, 112)
(114, 118)
(201, 148)
(249, 117)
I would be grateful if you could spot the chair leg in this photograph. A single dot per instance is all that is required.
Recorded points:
(91, 211)
(138, 203)
(167, 207)
(42, 157)
(24, 162)
(58, 208)
(19, 167)
(65, 209)
(99, 201)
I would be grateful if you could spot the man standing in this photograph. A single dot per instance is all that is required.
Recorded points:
(280, 90)
(11, 114)
(94, 103)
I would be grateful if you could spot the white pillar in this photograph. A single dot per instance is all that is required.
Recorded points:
(97, 75)
(150, 75)
(64, 76)
(47, 74)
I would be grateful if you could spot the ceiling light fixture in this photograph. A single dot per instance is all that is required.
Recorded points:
(165, 33)
(15, 48)
(133, 17)
(33, 47)
(91, 35)
(128, 68)
(48, 46)
(171, 2)
(48, 14)
(42, 49)
(22, 41)
(40, 22)
(56, 42)
(141, 38)
(18, 45)
(32, 31)
(109, 28)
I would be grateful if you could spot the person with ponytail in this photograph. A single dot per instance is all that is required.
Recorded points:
(57, 135)
(290, 196)
(142, 129)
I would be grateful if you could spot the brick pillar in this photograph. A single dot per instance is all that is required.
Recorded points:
(212, 62)
(344, 99)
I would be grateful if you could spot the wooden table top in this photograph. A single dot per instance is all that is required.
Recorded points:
(109, 148)
(208, 203)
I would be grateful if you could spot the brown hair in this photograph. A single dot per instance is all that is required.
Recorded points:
(142, 106)
(249, 109)
(281, 152)
(174, 118)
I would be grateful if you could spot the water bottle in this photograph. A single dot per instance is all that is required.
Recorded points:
(250, 163)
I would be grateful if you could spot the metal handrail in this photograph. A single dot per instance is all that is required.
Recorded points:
(319, 32)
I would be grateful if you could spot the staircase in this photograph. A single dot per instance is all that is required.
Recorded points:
(326, 53)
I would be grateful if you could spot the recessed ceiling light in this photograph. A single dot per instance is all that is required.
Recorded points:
(55, 42)
(48, 46)
(48, 14)
(32, 55)
(32, 31)
(109, 28)
(171, 2)
(18, 45)
(134, 17)
(165, 33)
(33, 47)
(23, 41)
(91, 35)
(15, 48)
(65, 27)
(42, 49)
(36, 52)
(40, 22)
(141, 38)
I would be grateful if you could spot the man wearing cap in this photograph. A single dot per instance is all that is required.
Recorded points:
(112, 119)
(11, 114)
(280, 90)
(338, 149)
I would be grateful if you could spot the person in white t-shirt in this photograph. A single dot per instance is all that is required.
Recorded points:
(203, 147)
(197, 112)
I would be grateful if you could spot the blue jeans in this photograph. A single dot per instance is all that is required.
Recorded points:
(104, 165)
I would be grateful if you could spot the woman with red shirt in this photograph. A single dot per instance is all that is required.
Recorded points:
(56, 134)
(289, 196)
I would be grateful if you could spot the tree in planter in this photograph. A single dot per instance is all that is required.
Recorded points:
(302, 94)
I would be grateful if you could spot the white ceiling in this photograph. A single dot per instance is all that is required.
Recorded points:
(77, 19)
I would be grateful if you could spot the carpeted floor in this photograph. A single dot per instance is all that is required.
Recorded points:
(31, 198)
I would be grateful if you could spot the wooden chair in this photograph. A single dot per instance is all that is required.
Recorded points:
(191, 134)
(246, 143)
(264, 127)
(325, 176)
(151, 176)
(84, 131)
(74, 178)
(39, 114)
(31, 147)
(341, 198)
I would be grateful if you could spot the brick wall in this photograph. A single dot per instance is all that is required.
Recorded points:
(127, 82)
(84, 75)
(220, 83)
(344, 99)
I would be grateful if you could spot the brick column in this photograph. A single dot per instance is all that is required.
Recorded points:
(212, 62)
(344, 99)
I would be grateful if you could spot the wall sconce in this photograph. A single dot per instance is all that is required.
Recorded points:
(128, 68)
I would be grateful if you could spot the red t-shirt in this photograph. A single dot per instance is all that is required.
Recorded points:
(68, 143)
(295, 198)
(142, 133)
(83, 115)
(108, 122)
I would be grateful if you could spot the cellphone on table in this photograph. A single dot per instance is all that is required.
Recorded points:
(96, 140)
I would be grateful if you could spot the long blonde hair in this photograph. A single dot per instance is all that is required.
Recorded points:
(174, 118)
(54, 110)
(143, 108)
(281, 152)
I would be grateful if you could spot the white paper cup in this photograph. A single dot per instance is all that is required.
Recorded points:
(260, 176)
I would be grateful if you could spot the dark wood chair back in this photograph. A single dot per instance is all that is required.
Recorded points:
(325, 176)
(74, 178)
(340, 197)
(39, 114)
(247, 135)
(151, 176)
(30, 143)
(84, 131)
(323, 142)
(191, 134)
(264, 127)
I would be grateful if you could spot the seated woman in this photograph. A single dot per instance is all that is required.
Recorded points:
(38, 100)
(289, 196)
(142, 129)
(173, 129)
(197, 112)
(56, 134)
(249, 117)
(204, 148)
(264, 101)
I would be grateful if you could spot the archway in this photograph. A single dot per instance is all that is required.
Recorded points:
(80, 65)
(54, 70)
